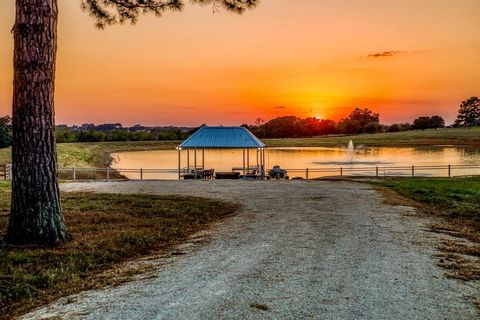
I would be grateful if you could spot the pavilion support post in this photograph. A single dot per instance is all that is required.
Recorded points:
(188, 160)
(179, 164)
(260, 163)
(195, 163)
(248, 161)
(243, 163)
(203, 159)
(263, 163)
(257, 162)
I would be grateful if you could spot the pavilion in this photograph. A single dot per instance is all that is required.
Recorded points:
(221, 138)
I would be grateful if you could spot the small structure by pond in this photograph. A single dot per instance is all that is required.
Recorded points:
(252, 165)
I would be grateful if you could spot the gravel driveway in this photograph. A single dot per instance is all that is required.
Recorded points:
(297, 250)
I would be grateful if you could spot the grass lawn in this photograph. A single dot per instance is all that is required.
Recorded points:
(451, 136)
(107, 229)
(95, 154)
(455, 198)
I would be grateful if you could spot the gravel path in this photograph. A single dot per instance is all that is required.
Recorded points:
(298, 249)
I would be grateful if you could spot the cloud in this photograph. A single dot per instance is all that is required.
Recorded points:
(385, 54)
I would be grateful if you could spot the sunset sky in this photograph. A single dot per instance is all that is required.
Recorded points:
(401, 58)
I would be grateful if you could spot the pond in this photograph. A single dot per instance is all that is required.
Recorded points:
(320, 161)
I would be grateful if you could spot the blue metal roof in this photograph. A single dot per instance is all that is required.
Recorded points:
(222, 137)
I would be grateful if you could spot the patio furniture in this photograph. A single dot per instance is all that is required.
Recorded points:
(208, 174)
(227, 175)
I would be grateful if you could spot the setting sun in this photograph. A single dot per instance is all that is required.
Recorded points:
(401, 59)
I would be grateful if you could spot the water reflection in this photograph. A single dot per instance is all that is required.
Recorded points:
(304, 157)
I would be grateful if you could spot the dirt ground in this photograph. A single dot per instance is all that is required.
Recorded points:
(296, 250)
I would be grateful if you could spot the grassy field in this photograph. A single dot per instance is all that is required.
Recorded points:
(107, 229)
(98, 154)
(451, 136)
(95, 154)
(455, 198)
(457, 202)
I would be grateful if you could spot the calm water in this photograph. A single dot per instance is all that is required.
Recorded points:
(301, 158)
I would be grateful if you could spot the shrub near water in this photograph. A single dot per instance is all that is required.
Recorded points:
(107, 229)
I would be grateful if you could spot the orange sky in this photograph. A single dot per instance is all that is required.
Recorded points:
(301, 57)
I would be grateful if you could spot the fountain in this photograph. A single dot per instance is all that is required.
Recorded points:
(350, 152)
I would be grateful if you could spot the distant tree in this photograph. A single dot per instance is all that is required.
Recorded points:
(364, 116)
(281, 127)
(315, 127)
(5, 131)
(87, 126)
(91, 136)
(437, 122)
(421, 123)
(64, 134)
(36, 217)
(425, 122)
(394, 128)
(347, 126)
(469, 113)
(259, 121)
(107, 127)
(371, 127)
(360, 121)
(327, 126)
(397, 127)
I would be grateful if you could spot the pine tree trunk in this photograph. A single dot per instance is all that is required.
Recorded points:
(36, 216)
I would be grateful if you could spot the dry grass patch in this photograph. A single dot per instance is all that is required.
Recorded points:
(459, 266)
(260, 306)
(108, 229)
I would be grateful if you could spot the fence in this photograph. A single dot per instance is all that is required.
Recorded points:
(386, 171)
(307, 173)
(111, 174)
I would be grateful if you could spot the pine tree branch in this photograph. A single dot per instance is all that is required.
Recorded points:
(109, 12)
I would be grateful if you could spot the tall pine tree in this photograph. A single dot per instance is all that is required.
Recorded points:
(36, 215)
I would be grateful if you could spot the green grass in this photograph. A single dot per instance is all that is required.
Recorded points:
(455, 198)
(95, 154)
(451, 136)
(107, 229)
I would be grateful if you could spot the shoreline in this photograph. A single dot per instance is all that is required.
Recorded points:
(98, 154)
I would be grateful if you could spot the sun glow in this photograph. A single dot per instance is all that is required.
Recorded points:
(320, 59)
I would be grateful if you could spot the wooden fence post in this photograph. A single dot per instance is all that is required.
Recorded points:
(108, 173)
(306, 173)
(376, 171)
(341, 171)
(8, 172)
(74, 174)
(141, 174)
(413, 171)
(449, 171)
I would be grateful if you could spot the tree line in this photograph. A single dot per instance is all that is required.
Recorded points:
(360, 120)
(116, 132)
